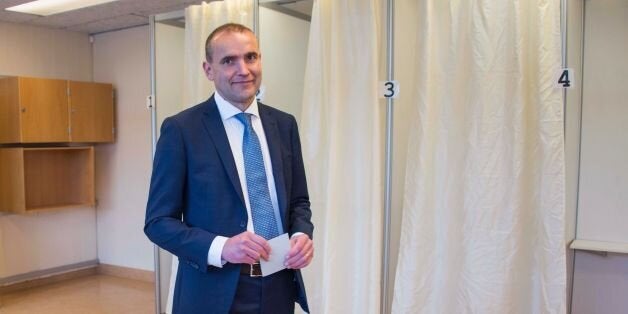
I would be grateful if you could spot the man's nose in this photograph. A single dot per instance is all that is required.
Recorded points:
(242, 68)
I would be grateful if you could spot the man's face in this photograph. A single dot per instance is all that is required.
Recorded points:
(236, 67)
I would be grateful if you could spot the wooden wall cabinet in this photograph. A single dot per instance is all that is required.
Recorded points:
(36, 110)
(46, 178)
(91, 112)
(33, 110)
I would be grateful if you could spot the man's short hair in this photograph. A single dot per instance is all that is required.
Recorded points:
(226, 28)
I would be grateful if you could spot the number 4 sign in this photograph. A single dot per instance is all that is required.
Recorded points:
(565, 79)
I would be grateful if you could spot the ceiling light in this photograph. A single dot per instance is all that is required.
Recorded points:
(50, 7)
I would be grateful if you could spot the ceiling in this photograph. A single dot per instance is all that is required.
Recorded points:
(124, 14)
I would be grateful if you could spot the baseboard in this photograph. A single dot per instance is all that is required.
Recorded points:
(57, 274)
(48, 276)
(127, 272)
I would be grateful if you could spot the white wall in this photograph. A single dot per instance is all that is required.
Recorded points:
(602, 210)
(47, 239)
(54, 238)
(283, 43)
(123, 168)
(601, 282)
(40, 52)
(169, 55)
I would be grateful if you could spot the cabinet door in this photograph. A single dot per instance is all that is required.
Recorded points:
(43, 110)
(91, 112)
(9, 111)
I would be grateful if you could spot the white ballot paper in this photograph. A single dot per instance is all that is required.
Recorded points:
(279, 247)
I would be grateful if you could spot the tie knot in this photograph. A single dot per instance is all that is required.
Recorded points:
(245, 118)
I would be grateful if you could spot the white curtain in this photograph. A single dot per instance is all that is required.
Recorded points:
(200, 21)
(341, 134)
(483, 210)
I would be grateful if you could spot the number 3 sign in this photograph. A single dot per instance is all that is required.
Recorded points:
(388, 89)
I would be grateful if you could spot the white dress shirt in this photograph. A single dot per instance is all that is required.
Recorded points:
(235, 132)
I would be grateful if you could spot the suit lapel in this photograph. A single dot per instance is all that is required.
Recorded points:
(214, 126)
(269, 122)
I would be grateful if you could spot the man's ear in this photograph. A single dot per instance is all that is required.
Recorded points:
(208, 70)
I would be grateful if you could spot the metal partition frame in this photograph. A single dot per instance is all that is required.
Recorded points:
(153, 126)
(390, 67)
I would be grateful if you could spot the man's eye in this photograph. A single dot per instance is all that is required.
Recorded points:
(252, 57)
(227, 61)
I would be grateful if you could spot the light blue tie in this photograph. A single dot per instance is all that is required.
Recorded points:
(262, 210)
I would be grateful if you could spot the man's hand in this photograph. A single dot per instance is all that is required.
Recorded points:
(301, 252)
(245, 248)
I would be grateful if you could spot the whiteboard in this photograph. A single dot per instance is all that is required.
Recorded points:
(603, 179)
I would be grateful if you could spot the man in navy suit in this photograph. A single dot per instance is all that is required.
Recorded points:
(202, 204)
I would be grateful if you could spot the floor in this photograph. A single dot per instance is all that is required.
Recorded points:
(97, 294)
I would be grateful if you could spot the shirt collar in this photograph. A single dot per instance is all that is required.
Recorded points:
(227, 110)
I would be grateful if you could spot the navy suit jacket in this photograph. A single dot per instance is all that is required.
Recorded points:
(195, 195)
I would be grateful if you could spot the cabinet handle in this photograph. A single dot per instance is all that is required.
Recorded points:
(23, 110)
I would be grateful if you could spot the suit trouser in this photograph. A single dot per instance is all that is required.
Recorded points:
(274, 294)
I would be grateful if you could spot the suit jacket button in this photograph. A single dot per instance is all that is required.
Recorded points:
(242, 224)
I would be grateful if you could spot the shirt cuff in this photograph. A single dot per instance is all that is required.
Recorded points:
(214, 256)
(296, 234)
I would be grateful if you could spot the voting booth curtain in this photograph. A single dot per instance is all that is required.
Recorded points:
(483, 211)
(342, 138)
(482, 228)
